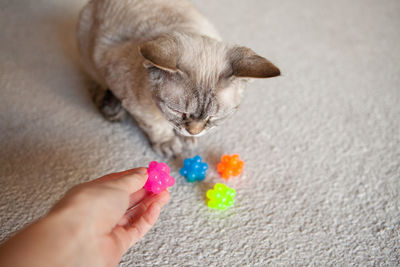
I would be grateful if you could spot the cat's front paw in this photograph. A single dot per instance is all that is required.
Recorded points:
(189, 143)
(169, 148)
(111, 107)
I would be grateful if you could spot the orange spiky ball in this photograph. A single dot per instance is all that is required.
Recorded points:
(230, 165)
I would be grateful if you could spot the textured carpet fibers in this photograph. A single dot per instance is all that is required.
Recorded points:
(321, 143)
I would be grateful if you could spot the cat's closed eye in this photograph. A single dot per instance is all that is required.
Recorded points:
(174, 110)
(183, 115)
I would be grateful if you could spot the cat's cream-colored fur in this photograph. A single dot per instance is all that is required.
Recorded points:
(167, 66)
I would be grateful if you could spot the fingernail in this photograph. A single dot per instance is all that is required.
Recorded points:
(141, 171)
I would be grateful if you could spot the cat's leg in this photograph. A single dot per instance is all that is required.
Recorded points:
(109, 106)
(161, 136)
(189, 143)
(160, 133)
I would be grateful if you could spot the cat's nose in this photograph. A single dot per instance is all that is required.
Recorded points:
(195, 127)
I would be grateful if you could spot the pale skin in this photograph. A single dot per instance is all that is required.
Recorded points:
(94, 224)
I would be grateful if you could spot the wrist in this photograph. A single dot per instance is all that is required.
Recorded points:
(49, 241)
(67, 222)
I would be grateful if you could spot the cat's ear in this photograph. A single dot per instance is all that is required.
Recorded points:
(246, 63)
(161, 53)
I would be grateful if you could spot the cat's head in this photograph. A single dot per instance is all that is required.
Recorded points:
(197, 82)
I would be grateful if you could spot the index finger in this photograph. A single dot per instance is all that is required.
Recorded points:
(116, 175)
(129, 180)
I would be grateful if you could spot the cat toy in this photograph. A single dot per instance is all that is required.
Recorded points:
(230, 166)
(193, 169)
(159, 178)
(220, 197)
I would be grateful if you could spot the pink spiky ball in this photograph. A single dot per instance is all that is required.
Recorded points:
(159, 178)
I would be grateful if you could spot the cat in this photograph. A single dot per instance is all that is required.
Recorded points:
(164, 63)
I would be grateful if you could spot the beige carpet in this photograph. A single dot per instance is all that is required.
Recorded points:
(321, 143)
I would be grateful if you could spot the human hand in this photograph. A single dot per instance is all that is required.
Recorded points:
(94, 224)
